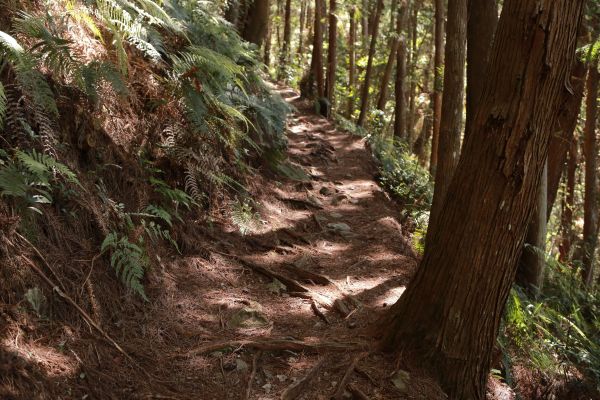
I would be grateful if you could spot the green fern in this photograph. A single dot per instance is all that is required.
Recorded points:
(3, 106)
(129, 261)
(243, 216)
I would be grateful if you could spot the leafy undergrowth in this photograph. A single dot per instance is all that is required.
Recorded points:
(556, 338)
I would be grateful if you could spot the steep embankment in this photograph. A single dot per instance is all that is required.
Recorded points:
(235, 316)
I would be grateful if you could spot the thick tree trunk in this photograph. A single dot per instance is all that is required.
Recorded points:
(483, 18)
(399, 90)
(331, 53)
(255, 24)
(590, 205)
(351, 61)
(284, 56)
(437, 81)
(450, 313)
(452, 102)
(530, 273)
(364, 95)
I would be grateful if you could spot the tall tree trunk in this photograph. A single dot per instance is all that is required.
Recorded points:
(392, 57)
(399, 87)
(364, 21)
(316, 64)
(255, 24)
(483, 17)
(530, 272)
(267, 46)
(410, 120)
(300, 51)
(331, 53)
(568, 202)
(351, 61)
(284, 56)
(470, 260)
(422, 139)
(437, 82)
(452, 102)
(590, 206)
(564, 133)
(367, 82)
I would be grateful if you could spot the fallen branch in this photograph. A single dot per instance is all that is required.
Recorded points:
(252, 374)
(308, 275)
(295, 235)
(289, 283)
(339, 393)
(297, 388)
(41, 257)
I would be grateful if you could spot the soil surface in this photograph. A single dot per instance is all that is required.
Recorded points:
(287, 310)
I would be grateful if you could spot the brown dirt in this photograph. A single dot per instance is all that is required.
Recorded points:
(184, 342)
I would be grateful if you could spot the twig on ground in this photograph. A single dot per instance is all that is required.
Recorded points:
(252, 374)
(339, 393)
(37, 252)
(297, 388)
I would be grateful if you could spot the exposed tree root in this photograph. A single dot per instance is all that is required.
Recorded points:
(252, 374)
(318, 313)
(308, 275)
(297, 388)
(357, 394)
(267, 344)
(339, 393)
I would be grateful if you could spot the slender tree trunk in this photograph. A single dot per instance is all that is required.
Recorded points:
(267, 46)
(364, 21)
(351, 61)
(422, 139)
(437, 82)
(452, 102)
(590, 206)
(300, 51)
(563, 134)
(410, 120)
(284, 56)
(331, 53)
(399, 87)
(483, 17)
(530, 272)
(568, 202)
(473, 246)
(392, 57)
(255, 25)
(367, 82)
(317, 54)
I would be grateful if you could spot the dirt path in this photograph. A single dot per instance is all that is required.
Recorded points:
(249, 316)
(336, 236)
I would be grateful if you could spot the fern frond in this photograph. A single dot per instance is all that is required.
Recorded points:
(3, 106)
(129, 261)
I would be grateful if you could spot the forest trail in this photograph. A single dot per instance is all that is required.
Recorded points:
(336, 237)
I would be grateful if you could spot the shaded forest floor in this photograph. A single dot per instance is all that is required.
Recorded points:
(288, 309)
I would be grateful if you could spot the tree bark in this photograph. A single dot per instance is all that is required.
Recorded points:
(437, 82)
(410, 120)
(452, 102)
(590, 206)
(300, 51)
(399, 90)
(450, 313)
(483, 18)
(367, 83)
(351, 61)
(331, 53)
(267, 46)
(255, 24)
(568, 202)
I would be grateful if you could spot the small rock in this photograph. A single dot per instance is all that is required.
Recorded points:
(400, 379)
(340, 228)
(267, 387)
(314, 201)
(282, 378)
(335, 215)
(241, 365)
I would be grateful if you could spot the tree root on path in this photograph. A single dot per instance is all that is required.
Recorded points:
(266, 344)
(318, 312)
(339, 393)
(357, 393)
(297, 388)
(252, 374)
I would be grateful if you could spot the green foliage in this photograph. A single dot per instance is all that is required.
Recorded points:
(128, 259)
(2, 106)
(243, 216)
(31, 176)
(558, 330)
